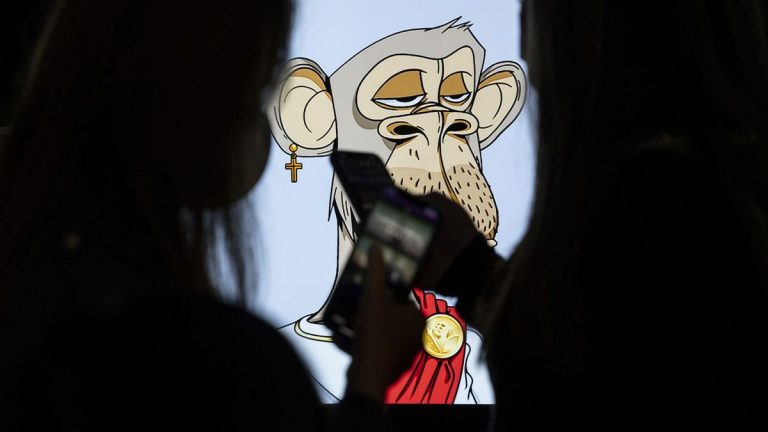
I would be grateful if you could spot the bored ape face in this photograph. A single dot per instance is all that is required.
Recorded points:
(418, 99)
(422, 105)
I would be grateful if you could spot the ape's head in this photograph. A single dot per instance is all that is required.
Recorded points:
(418, 99)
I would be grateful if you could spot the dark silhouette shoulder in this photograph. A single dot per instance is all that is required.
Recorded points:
(116, 355)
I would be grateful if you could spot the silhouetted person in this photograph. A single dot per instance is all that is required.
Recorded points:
(20, 24)
(138, 130)
(638, 296)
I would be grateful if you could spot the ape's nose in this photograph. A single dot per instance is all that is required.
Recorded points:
(459, 126)
(399, 130)
(434, 124)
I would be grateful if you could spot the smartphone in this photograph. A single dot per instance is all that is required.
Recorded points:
(363, 176)
(403, 228)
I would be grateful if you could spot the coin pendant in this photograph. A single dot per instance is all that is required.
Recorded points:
(443, 336)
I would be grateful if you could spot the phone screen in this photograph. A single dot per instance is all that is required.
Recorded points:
(363, 176)
(403, 229)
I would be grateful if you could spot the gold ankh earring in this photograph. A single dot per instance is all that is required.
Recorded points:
(293, 165)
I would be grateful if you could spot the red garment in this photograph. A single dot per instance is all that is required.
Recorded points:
(430, 380)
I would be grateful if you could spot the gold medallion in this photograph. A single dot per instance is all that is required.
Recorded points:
(443, 336)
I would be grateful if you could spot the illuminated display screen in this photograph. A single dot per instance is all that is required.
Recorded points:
(367, 76)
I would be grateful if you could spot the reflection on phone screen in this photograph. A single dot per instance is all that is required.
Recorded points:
(403, 233)
(402, 229)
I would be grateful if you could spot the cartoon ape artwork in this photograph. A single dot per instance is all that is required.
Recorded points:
(421, 101)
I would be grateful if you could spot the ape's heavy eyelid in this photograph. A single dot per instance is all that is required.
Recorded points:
(402, 102)
(456, 98)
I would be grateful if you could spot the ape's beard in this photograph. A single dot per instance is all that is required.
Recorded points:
(463, 183)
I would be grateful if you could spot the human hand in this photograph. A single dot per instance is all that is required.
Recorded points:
(455, 233)
(388, 335)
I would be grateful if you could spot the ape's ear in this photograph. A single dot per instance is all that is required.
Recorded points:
(301, 110)
(499, 99)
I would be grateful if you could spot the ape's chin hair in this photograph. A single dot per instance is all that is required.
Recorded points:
(463, 183)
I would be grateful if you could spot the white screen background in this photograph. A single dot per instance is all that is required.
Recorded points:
(296, 241)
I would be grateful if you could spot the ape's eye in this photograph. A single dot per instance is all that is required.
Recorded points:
(458, 98)
(401, 102)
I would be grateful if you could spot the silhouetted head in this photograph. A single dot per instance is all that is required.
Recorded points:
(637, 98)
(148, 112)
(20, 27)
(607, 72)
(608, 76)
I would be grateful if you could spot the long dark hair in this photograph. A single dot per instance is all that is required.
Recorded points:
(152, 111)
(611, 73)
(20, 30)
